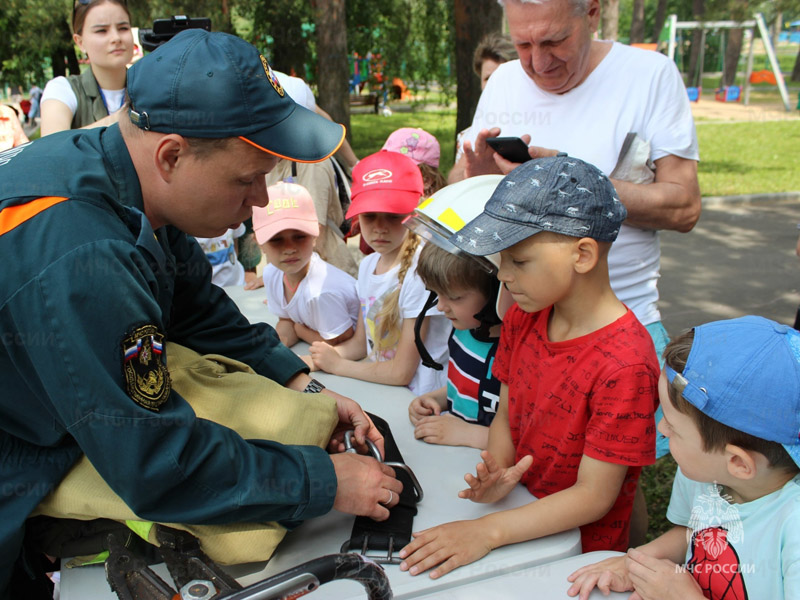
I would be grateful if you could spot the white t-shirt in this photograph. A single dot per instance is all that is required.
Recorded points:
(325, 299)
(221, 253)
(749, 550)
(297, 89)
(372, 291)
(631, 90)
(60, 89)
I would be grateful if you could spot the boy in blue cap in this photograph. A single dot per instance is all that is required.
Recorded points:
(731, 398)
(90, 321)
(578, 371)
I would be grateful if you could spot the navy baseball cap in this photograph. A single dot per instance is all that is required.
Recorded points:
(745, 373)
(216, 85)
(560, 194)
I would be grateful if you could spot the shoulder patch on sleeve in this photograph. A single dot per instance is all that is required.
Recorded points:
(147, 380)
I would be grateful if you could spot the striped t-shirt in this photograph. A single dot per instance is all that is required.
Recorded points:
(472, 391)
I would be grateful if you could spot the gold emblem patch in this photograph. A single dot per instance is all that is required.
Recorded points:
(273, 79)
(146, 377)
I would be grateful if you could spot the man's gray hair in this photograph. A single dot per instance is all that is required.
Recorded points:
(579, 6)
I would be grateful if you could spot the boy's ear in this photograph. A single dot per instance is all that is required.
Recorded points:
(741, 463)
(586, 253)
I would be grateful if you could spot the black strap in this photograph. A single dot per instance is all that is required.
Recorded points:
(424, 355)
(385, 538)
(294, 171)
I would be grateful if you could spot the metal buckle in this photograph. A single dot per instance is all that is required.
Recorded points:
(373, 449)
(388, 559)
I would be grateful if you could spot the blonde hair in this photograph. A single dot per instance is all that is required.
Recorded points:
(432, 179)
(447, 273)
(388, 322)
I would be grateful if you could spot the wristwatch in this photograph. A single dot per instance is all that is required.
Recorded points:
(313, 387)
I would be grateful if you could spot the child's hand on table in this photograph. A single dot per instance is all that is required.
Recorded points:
(423, 406)
(491, 482)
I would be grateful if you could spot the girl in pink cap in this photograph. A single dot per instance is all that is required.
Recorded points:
(313, 300)
(387, 186)
(423, 148)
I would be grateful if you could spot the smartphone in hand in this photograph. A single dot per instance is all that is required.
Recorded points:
(510, 148)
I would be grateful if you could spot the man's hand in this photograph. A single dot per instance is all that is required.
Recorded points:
(423, 406)
(479, 156)
(325, 356)
(352, 416)
(660, 578)
(482, 160)
(364, 487)
(490, 482)
(609, 575)
(446, 547)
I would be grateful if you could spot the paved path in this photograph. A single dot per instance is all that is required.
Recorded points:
(739, 259)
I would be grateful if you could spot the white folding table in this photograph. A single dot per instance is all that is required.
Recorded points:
(440, 471)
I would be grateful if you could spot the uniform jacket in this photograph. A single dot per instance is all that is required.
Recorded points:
(86, 285)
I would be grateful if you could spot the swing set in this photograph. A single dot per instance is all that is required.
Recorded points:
(773, 75)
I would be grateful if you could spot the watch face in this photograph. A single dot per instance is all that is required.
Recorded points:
(313, 387)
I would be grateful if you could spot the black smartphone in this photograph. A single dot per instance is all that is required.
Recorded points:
(510, 148)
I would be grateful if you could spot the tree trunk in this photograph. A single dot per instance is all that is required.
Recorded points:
(57, 59)
(226, 25)
(693, 72)
(733, 50)
(637, 22)
(698, 11)
(473, 20)
(796, 69)
(609, 19)
(334, 70)
(661, 17)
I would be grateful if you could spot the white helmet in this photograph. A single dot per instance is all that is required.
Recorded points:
(448, 210)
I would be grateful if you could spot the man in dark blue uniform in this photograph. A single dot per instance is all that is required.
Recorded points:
(85, 318)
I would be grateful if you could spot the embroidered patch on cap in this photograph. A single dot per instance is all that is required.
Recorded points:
(146, 377)
(273, 79)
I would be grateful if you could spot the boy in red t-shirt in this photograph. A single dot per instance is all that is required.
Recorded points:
(579, 372)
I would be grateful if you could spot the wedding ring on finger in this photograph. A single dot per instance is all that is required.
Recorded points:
(391, 497)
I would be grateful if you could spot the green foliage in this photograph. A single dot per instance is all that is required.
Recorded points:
(143, 12)
(414, 38)
(33, 30)
(284, 31)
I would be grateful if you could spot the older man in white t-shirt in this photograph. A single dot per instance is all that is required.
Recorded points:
(570, 93)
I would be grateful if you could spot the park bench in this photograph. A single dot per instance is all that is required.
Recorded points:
(371, 99)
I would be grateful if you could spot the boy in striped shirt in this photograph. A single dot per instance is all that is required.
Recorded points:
(460, 413)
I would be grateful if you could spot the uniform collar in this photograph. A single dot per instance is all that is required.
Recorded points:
(120, 168)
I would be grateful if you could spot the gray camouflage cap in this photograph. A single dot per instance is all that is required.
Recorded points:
(560, 194)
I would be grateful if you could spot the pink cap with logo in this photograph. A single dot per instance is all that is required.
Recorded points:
(290, 207)
(385, 182)
(417, 144)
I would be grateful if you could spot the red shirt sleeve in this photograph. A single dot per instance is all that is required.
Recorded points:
(621, 428)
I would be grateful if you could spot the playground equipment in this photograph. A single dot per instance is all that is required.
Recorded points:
(674, 25)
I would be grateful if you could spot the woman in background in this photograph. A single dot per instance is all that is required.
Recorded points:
(102, 30)
(492, 51)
